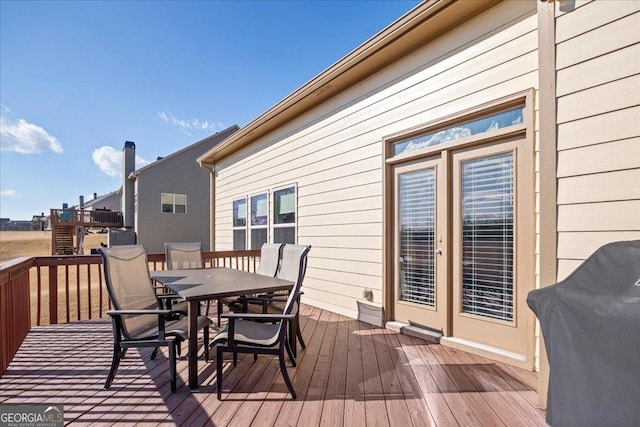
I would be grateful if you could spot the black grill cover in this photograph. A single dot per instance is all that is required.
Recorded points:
(591, 327)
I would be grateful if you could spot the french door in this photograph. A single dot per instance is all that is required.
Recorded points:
(420, 273)
(462, 261)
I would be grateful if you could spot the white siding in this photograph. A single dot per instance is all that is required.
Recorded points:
(334, 152)
(598, 92)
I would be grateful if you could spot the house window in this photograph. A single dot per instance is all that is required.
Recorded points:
(284, 215)
(259, 221)
(240, 224)
(173, 203)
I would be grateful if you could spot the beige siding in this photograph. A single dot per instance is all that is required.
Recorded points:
(598, 91)
(334, 152)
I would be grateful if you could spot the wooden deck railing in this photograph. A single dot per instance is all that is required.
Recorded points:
(59, 289)
(14, 308)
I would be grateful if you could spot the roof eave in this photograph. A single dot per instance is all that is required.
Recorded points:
(424, 22)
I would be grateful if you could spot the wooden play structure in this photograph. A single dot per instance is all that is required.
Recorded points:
(68, 227)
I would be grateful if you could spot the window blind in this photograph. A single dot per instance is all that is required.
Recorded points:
(487, 236)
(416, 217)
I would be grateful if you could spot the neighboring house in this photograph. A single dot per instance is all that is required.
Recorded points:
(108, 202)
(172, 196)
(7, 224)
(465, 155)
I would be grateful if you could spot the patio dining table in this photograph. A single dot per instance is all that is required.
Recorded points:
(196, 285)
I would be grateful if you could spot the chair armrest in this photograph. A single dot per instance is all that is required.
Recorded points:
(162, 314)
(257, 316)
(276, 295)
(261, 300)
(158, 312)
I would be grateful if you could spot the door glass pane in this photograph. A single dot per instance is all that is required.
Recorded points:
(416, 218)
(487, 236)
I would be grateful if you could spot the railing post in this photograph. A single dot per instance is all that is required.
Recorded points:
(53, 294)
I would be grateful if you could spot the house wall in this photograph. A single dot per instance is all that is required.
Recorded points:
(598, 101)
(334, 152)
(178, 174)
(111, 202)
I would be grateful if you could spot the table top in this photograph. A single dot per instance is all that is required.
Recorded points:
(220, 282)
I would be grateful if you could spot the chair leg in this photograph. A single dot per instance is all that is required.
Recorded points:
(255, 357)
(172, 366)
(115, 362)
(206, 343)
(235, 359)
(292, 356)
(299, 333)
(285, 375)
(291, 330)
(219, 372)
(219, 311)
(154, 353)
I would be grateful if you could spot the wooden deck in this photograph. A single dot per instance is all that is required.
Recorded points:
(350, 374)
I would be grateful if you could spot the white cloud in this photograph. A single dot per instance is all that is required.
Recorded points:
(24, 137)
(109, 160)
(188, 125)
(9, 193)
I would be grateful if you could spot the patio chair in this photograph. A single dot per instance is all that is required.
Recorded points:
(246, 332)
(138, 318)
(274, 303)
(270, 254)
(179, 256)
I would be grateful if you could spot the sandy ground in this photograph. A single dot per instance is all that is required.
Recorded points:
(14, 244)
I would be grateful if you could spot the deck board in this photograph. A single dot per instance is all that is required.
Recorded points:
(351, 373)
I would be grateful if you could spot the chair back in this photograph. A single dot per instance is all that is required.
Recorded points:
(269, 259)
(289, 265)
(126, 273)
(293, 268)
(183, 255)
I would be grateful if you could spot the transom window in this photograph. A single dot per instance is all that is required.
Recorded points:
(488, 123)
(173, 203)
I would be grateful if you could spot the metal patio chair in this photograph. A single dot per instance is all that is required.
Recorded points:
(181, 256)
(249, 332)
(270, 254)
(137, 317)
(274, 303)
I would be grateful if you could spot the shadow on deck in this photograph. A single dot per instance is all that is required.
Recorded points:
(350, 374)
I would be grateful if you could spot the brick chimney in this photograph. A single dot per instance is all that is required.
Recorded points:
(128, 188)
(81, 202)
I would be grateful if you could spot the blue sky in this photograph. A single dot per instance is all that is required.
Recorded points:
(78, 79)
